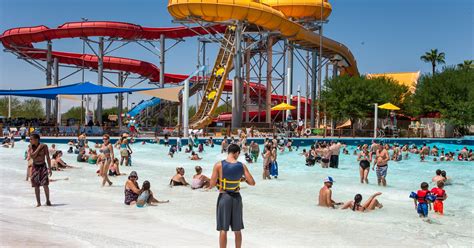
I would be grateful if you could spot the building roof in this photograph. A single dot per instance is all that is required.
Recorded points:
(409, 79)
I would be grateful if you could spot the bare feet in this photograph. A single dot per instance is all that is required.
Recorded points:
(110, 183)
(38, 205)
(48, 203)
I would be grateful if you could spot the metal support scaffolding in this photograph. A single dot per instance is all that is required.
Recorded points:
(313, 88)
(320, 69)
(57, 103)
(162, 60)
(100, 73)
(49, 67)
(120, 101)
(268, 101)
(247, 81)
(307, 93)
(289, 78)
(237, 87)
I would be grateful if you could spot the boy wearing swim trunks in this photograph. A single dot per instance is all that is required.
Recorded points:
(421, 203)
(441, 195)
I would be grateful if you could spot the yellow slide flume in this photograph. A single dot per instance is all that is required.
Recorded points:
(262, 13)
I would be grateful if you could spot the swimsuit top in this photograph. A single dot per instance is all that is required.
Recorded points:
(106, 150)
(197, 183)
(364, 156)
(123, 146)
(144, 196)
(231, 175)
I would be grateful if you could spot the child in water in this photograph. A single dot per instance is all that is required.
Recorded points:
(421, 201)
(113, 168)
(441, 195)
(146, 196)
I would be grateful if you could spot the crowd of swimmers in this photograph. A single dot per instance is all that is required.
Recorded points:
(227, 174)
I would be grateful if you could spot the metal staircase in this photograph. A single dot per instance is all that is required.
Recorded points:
(203, 116)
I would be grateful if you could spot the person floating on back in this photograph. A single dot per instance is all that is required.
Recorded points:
(227, 175)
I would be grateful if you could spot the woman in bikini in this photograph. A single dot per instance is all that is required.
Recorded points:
(108, 150)
(178, 179)
(370, 204)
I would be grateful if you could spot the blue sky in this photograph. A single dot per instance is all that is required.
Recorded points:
(384, 35)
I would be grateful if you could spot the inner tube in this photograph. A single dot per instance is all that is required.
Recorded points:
(307, 131)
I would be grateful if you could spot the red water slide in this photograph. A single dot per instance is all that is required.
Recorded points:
(21, 40)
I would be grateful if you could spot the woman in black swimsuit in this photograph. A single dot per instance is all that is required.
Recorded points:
(178, 179)
(364, 159)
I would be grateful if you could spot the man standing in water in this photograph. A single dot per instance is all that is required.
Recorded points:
(39, 153)
(381, 160)
(335, 150)
(230, 173)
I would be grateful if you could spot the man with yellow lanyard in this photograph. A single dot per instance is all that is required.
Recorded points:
(230, 173)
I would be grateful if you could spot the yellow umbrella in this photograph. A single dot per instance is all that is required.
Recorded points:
(283, 106)
(389, 106)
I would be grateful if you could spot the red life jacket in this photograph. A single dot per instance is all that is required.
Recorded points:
(422, 193)
(439, 193)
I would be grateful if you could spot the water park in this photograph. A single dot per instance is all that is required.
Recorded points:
(286, 138)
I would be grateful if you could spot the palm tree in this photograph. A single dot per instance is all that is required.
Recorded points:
(467, 64)
(434, 58)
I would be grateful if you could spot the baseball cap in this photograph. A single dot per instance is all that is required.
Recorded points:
(329, 180)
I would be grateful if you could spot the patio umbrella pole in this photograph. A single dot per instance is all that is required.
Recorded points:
(376, 107)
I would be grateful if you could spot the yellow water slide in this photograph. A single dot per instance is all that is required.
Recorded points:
(273, 15)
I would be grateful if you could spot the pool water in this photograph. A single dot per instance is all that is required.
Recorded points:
(280, 212)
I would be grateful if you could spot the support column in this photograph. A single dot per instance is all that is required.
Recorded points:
(298, 106)
(237, 87)
(57, 103)
(376, 114)
(9, 106)
(179, 115)
(185, 108)
(268, 101)
(120, 101)
(320, 58)
(100, 73)
(307, 91)
(289, 78)
(162, 60)
(49, 67)
(247, 79)
(334, 70)
(313, 87)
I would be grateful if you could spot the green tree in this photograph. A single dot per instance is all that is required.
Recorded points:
(192, 111)
(15, 107)
(29, 108)
(434, 58)
(451, 93)
(222, 109)
(73, 112)
(466, 65)
(353, 97)
(32, 108)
